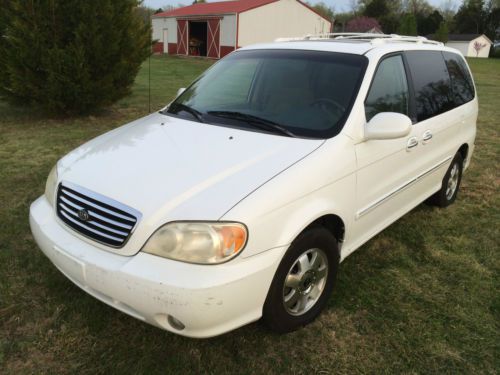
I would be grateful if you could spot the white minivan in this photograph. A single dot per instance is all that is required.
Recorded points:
(240, 198)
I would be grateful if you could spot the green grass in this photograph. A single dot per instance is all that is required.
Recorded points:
(421, 297)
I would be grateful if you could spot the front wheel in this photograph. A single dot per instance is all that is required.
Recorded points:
(303, 282)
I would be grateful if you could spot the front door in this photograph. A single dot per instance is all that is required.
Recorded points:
(387, 169)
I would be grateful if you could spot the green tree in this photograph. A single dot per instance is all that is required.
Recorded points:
(428, 23)
(408, 25)
(471, 17)
(441, 34)
(71, 56)
(384, 11)
(323, 9)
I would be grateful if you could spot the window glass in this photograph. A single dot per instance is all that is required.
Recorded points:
(389, 90)
(433, 94)
(461, 81)
(309, 93)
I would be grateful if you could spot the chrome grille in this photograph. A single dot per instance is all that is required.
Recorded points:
(95, 216)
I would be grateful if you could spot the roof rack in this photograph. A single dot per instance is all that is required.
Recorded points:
(372, 38)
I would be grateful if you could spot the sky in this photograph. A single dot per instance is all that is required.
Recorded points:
(338, 5)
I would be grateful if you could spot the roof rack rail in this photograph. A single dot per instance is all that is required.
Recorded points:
(373, 38)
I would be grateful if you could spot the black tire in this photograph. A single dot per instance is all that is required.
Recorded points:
(278, 317)
(443, 198)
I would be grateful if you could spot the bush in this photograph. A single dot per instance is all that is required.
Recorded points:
(70, 56)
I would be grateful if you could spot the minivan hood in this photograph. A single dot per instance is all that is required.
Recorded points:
(174, 169)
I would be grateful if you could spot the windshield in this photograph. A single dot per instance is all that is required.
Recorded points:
(286, 92)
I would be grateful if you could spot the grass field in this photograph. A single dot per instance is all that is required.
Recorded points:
(421, 297)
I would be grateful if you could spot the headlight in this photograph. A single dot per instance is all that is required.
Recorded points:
(50, 185)
(198, 242)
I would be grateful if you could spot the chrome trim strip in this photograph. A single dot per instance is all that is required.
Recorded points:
(103, 199)
(95, 214)
(90, 229)
(96, 205)
(389, 195)
(69, 211)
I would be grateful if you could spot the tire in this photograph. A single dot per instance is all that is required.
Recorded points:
(309, 285)
(450, 185)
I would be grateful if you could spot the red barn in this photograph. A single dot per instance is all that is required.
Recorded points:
(215, 29)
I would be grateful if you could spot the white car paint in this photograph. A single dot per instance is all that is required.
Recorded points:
(172, 169)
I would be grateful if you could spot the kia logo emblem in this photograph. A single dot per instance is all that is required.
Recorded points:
(83, 215)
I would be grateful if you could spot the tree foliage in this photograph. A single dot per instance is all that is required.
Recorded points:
(323, 9)
(478, 17)
(441, 34)
(408, 25)
(71, 56)
(429, 23)
(470, 17)
(386, 12)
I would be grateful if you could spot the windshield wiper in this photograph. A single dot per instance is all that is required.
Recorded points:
(258, 122)
(182, 107)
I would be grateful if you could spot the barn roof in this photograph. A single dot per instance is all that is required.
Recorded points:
(221, 7)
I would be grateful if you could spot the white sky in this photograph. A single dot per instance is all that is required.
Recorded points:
(339, 5)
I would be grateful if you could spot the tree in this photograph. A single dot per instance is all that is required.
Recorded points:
(362, 24)
(441, 34)
(471, 17)
(71, 56)
(323, 9)
(492, 22)
(386, 12)
(408, 25)
(428, 24)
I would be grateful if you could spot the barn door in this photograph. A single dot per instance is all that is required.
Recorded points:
(213, 38)
(182, 37)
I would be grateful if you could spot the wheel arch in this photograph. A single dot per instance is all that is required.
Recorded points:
(332, 222)
(464, 151)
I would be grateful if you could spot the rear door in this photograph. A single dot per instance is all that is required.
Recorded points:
(437, 121)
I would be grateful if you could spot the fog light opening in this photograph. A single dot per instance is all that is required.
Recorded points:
(175, 323)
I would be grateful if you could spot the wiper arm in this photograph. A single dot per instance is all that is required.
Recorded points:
(193, 112)
(259, 122)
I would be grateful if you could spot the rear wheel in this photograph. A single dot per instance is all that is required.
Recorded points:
(303, 282)
(450, 185)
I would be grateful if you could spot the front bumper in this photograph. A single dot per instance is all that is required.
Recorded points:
(208, 300)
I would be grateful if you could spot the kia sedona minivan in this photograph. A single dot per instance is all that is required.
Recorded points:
(239, 200)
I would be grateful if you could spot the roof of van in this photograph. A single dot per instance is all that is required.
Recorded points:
(358, 47)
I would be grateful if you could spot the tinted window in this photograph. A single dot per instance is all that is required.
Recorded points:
(389, 90)
(310, 93)
(433, 94)
(461, 81)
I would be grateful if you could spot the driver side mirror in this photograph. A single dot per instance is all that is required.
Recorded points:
(388, 125)
(180, 91)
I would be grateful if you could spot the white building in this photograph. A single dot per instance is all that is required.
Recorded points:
(216, 29)
(471, 45)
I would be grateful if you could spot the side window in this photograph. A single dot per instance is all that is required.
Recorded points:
(389, 90)
(461, 81)
(431, 81)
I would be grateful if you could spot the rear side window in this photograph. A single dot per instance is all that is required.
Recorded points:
(389, 90)
(461, 81)
(431, 82)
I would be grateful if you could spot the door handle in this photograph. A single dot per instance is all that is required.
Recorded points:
(412, 142)
(427, 136)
